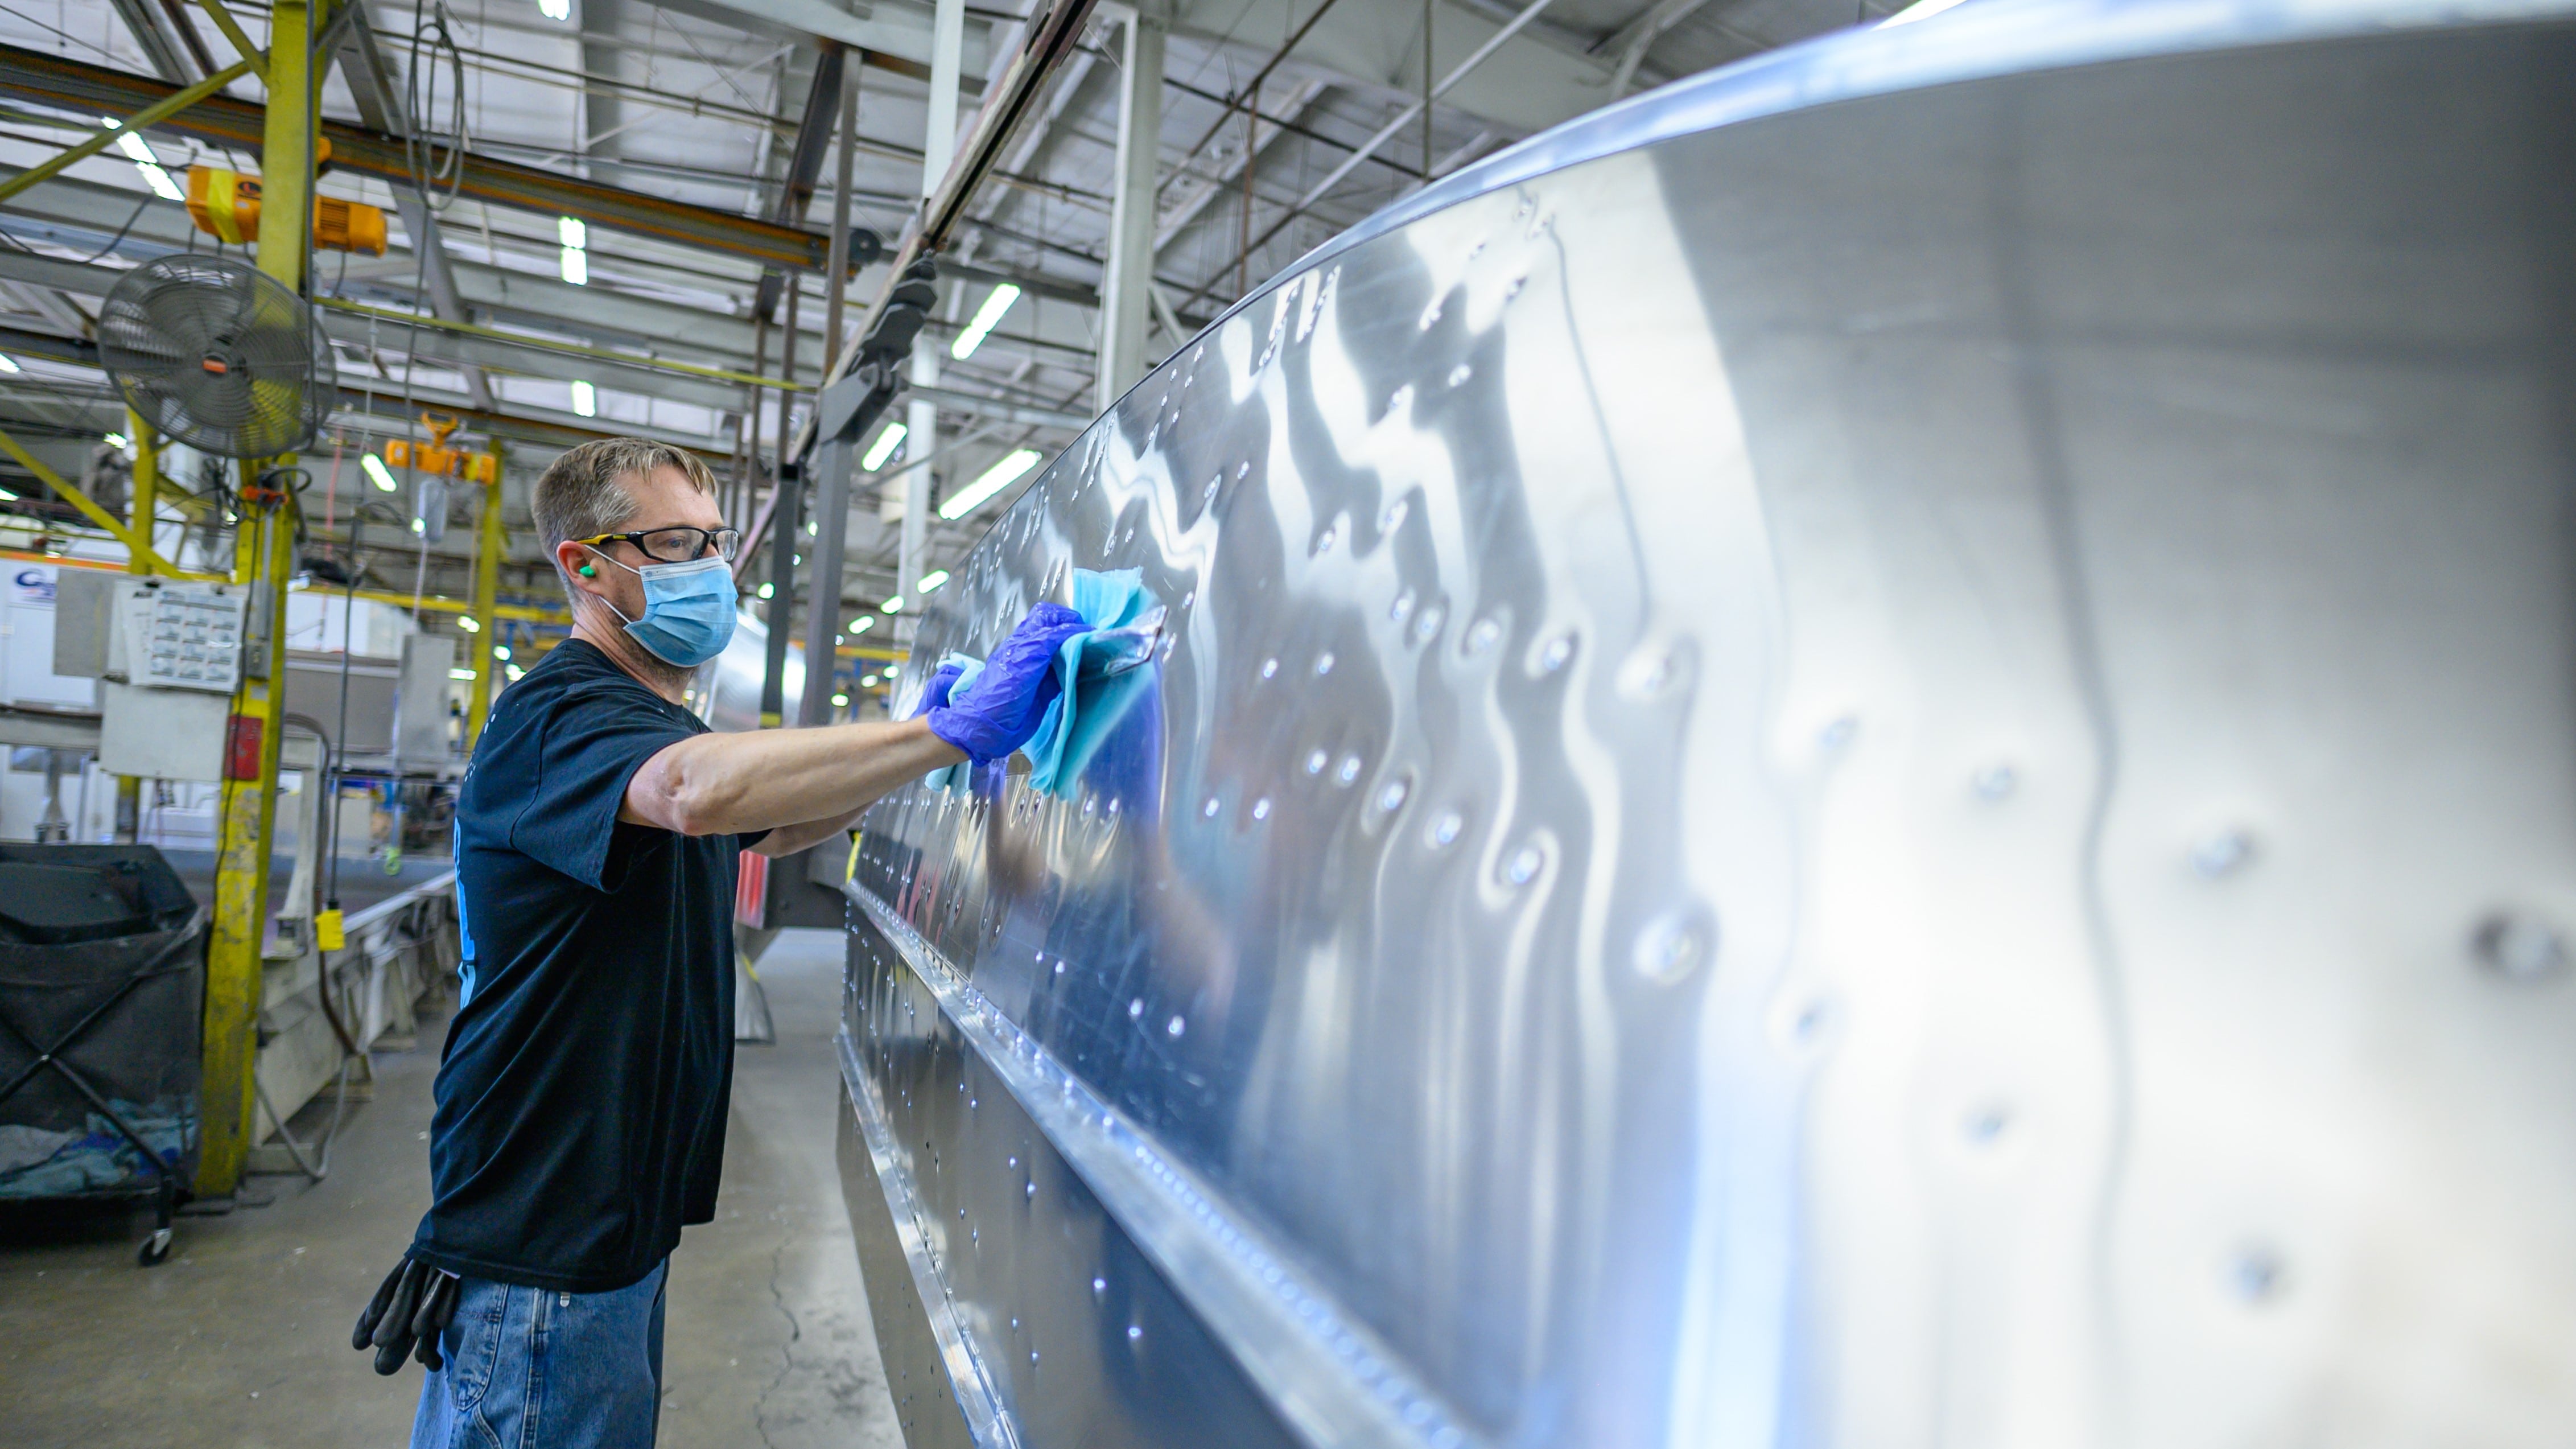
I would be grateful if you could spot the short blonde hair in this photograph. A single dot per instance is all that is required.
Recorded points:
(584, 493)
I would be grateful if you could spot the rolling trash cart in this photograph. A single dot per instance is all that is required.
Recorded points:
(102, 990)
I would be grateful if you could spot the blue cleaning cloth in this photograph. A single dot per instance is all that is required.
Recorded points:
(959, 778)
(1092, 699)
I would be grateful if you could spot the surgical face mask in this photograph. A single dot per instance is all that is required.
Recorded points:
(688, 609)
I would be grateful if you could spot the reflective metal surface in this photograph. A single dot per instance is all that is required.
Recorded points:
(1892, 773)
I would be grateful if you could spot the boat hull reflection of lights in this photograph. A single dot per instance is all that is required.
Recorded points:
(1659, 892)
(1014, 465)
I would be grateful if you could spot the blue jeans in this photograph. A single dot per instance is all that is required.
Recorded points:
(532, 1369)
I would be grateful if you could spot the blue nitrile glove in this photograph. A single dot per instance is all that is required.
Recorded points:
(935, 693)
(1001, 709)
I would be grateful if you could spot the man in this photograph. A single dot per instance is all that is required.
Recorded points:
(581, 1101)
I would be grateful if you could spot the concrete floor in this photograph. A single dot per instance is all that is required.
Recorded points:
(242, 1338)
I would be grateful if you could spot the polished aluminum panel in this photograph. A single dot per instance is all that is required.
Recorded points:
(1891, 773)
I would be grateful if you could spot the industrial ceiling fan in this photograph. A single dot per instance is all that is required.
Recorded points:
(219, 355)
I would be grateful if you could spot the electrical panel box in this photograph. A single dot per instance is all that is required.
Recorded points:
(174, 656)
(421, 727)
(313, 688)
(84, 617)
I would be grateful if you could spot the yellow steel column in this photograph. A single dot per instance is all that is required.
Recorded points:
(487, 587)
(146, 498)
(264, 555)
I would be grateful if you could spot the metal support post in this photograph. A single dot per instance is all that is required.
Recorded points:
(836, 274)
(488, 545)
(1129, 278)
(146, 497)
(831, 470)
(921, 418)
(920, 438)
(786, 503)
(264, 555)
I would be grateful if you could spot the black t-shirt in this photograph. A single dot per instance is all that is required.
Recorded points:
(582, 1097)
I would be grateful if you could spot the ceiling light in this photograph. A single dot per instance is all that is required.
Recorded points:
(377, 474)
(994, 479)
(7, 497)
(140, 153)
(118, 440)
(1920, 10)
(986, 318)
(840, 701)
(868, 683)
(8, 363)
(555, 9)
(572, 232)
(866, 622)
(931, 581)
(576, 266)
(585, 400)
(767, 589)
(813, 528)
(883, 448)
(465, 675)
(501, 651)
(893, 605)
(514, 672)
(469, 623)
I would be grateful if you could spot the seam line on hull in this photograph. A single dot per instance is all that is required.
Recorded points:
(1328, 1376)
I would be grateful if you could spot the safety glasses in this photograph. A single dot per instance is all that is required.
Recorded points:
(675, 545)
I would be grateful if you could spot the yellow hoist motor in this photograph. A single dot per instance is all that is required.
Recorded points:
(435, 456)
(225, 205)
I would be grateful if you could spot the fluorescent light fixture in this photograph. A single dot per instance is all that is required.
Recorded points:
(892, 670)
(868, 683)
(986, 318)
(893, 605)
(377, 473)
(572, 232)
(932, 581)
(585, 400)
(576, 266)
(7, 497)
(813, 528)
(841, 701)
(866, 622)
(501, 652)
(993, 480)
(767, 589)
(1920, 10)
(416, 526)
(514, 672)
(118, 440)
(469, 623)
(555, 9)
(140, 152)
(466, 675)
(8, 363)
(883, 448)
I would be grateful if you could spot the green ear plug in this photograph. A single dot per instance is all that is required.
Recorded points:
(589, 572)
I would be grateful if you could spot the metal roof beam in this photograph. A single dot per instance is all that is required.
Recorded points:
(804, 162)
(88, 89)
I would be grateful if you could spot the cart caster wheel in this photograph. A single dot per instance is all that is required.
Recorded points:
(155, 1250)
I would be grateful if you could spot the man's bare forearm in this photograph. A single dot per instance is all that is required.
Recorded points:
(767, 779)
(789, 839)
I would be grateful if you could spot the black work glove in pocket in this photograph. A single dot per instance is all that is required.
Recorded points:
(407, 1315)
